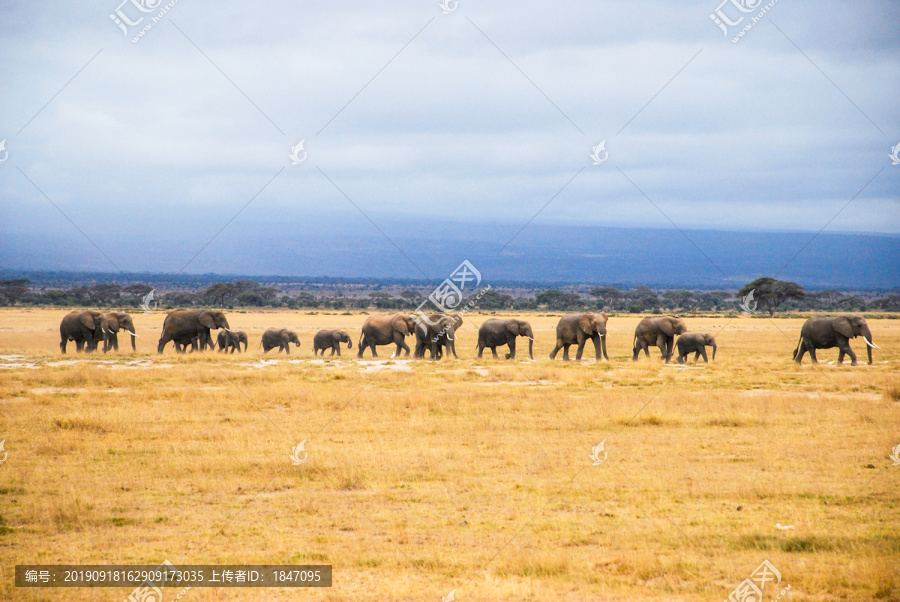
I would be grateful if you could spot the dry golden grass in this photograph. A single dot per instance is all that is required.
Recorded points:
(469, 474)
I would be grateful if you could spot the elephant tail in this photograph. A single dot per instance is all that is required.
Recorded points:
(797, 350)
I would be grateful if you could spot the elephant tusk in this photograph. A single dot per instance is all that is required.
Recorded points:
(134, 334)
(530, 338)
(226, 329)
(870, 343)
(449, 338)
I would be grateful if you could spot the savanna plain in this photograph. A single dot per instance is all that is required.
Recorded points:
(473, 475)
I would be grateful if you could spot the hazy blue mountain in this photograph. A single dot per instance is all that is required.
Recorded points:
(539, 253)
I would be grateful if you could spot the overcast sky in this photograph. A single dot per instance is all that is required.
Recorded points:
(487, 113)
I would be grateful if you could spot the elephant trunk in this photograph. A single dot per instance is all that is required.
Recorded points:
(603, 345)
(530, 347)
(349, 343)
(133, 340)
(714, 351)
(867, 337)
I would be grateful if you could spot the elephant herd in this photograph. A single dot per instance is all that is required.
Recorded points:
(436, 333)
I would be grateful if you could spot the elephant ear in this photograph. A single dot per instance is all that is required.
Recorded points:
(113, 321)
(399, 324)
(87, 320)
(842, 325)
(586, 324)
(337, 336)
(207, 320)
(665, 326)
(513, 327)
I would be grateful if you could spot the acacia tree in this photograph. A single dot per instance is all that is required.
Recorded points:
(607, 294)
(771, 293)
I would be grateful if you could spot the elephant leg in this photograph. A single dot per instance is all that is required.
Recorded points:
(566, 352)
(79, 346)
(801, 349)
(703, 353)
(580, 350)
(846, 349)
(512, 348)
(401, 344)
(62, 344)
(812, 354)
(559, 345)
(682, 357)
(480, 349)
(663, 347)
(494, 352)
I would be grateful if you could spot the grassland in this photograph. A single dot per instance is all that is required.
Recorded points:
(469, 474)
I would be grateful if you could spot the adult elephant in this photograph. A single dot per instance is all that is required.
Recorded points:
(435, 332)
(825, 333)
(86, 328)
(116, 321)
(659, 331)
(696, 343)
(331, 339)
(281, 338)
(496, 333)
(383, 329)
(231, 340)
(576, 329)
(189, 325)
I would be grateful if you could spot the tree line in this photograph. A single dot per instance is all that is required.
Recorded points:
(769, 295)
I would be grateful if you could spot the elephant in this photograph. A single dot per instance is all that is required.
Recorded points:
(231, 340)
(696, 343)
(118, 320)
(659, 331)
(331, 339)
(86, 328)
(382, 329)
(191, 325)
(825, 333)
(577, 329)
(279, 337)
(435, 332)
(496, 333)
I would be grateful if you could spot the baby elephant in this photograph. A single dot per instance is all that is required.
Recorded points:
(694, 342)
(279, 337)
(331, 339)
(231, 340)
